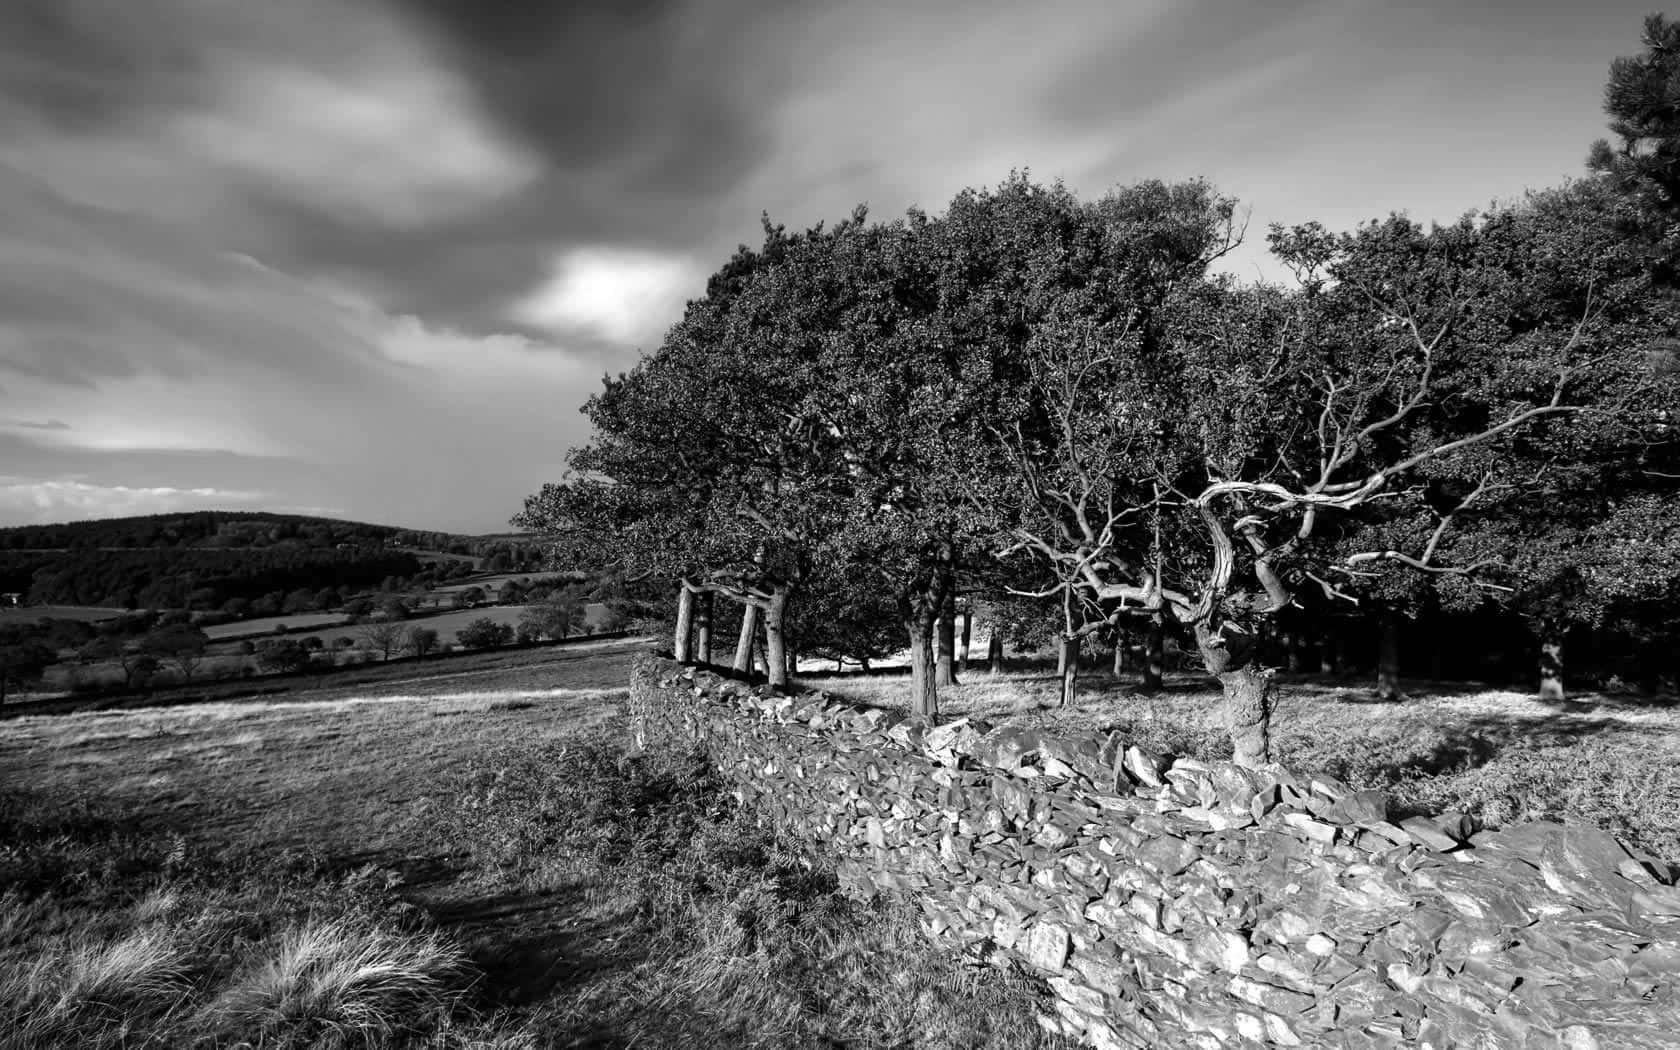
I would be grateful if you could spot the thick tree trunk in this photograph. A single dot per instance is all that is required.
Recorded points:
(1388, 660)
(775, 638)
(966, 640)
(1069, 670)
(1119, 652)
(994, 650)
(744, 647)
(1326, 656)
(680, 648)
(924, 693)
(945, 672)
(1228, 656)
(1154, 652)
(703, 608)
(1551, 663)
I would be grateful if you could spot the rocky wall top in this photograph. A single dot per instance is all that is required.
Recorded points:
(1178, 903)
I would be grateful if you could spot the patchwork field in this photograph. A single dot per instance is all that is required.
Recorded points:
(31, 613)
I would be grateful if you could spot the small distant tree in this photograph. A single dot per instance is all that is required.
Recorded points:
(420, 640)
(314, 643)
(510, 593)
(288, 654)
(469, 598)
(22, 658)
(394, 608)
(182, 645)
(556, 618)
(484, 633)
(382, 636)
(138, 667)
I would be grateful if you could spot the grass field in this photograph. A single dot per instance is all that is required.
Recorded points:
(31, 613)
(1500, 756)
(460, 858)
(266, 625)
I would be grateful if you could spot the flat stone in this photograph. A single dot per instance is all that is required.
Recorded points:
(1167, 855)
(1145, 767)
(1316, 830)
(1047, 946)
(1425, 832)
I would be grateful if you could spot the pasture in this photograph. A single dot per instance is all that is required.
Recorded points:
(30, 613)
(464, 859)
(266, 625)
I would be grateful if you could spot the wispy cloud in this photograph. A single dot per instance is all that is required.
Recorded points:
(374, 256)
(41, 502)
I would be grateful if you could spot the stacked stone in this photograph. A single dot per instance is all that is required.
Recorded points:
(1192, 904)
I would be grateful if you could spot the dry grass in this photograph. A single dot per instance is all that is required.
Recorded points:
(1499, 755)
(448, 860)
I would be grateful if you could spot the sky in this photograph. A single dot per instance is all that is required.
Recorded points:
(367, 258)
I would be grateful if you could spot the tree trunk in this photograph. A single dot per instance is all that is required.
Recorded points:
(1295, 652)
(775, 639)
(685, 625)
(994, 650)
(924, 693)
(1154, 652)
(965, 640)
(1228, 656)
(1070, 670)
(703, 628)
(1388, 660)
(1551, 663)
(1119, 651)
(945, 667)
(1326, 656)
(744, 647)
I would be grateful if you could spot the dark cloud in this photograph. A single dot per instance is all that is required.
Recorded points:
(659, 94)
(79, 63)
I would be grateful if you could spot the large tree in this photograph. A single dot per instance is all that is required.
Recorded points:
(1215, 465)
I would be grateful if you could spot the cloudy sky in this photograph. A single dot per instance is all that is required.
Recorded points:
(366, 258)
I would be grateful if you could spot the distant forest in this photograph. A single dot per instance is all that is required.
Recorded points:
(208, 559)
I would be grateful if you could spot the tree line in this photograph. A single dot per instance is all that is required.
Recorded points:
(1036, 398)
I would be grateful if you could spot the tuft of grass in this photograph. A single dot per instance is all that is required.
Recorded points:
(339, 982)
(117, 940)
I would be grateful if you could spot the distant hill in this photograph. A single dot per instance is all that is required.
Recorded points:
(205, 559)
(209, 528)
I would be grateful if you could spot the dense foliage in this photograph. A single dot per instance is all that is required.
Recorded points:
(1054, 404)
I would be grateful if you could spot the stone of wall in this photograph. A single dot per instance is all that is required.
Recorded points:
(1191, 904)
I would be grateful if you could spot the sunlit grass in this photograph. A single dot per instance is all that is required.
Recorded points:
(1497, 754)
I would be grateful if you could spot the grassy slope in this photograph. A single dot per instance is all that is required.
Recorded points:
(1499, 755)
(459, 857)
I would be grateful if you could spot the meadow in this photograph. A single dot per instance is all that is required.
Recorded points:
(464, 854)
(23, 614)
(456, 859)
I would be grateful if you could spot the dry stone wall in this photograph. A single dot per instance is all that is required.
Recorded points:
(1191, 904)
